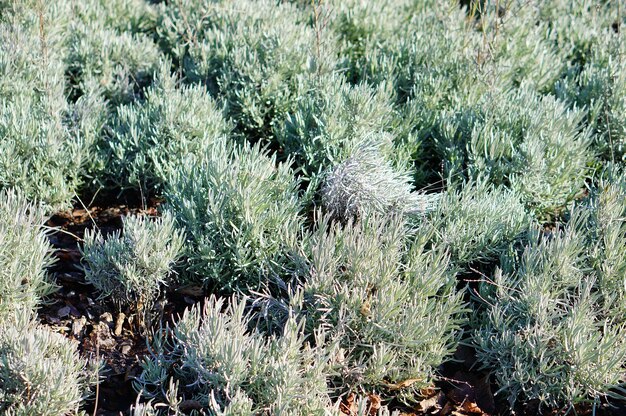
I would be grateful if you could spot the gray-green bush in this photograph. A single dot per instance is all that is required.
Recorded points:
(250, 54)
(544, 336)
(41, 372)
(367, 183)
(132, 266)
(230, 369)
(146, 140)
(387, 299)
(43, 145)
(241, 214)
(478, 222)
(25, 253)
(107, 53)
(332, 119)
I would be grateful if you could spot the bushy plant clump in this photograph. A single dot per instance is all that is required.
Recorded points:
(25, 253)
(250, 54)
(367, 183)
(230, 369)
(107, 52)
(554, 309)
(43, 139)
(478, 222)
(241, 215)
(600, 86)
(146, 140)
(521, 140)
(331, 120)
(544, 336)
(386, 298)
(606, 238)
(131, 267)
(41, 372)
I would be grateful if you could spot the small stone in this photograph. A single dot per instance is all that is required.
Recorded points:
(106, 317)
(78, 325)
(119, 324)
(125, 349)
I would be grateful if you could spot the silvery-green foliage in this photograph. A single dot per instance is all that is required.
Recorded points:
(543, 335)
(146, 140)
(510, 50)
(41, 372)
(250, 54)
(230, 368)
(606, 237)
(366, 183)
(240, 211)
(42, 143)
(531, 143)
(133, 265)
(403, 42)
(106, 54)
(478, 222)
(600, 86)
(331, 119)
(386, 298)
(134, 16)
(25, 253)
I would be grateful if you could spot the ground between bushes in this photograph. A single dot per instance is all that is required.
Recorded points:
(104, 331)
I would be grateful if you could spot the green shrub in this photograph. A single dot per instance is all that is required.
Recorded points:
(25, 253)
(546, 334)
(106, 52)
(131, 268)
(146, 140)
(331, 120)
(605, 236)
(251, 55)
(240, 212)
(134, 16)
(366, 183)
(533, 144)
(41, 372)
(42, 142)
(600, 86)
(230, 369)
(515, 46)
(388, 301)
(478, 222)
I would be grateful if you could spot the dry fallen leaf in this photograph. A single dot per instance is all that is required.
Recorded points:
(349, 406)
(375, 403)
(431, 404)
(403, 384)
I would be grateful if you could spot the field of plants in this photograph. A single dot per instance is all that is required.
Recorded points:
(312, 207)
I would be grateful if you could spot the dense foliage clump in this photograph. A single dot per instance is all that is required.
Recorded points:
(133, 267)
(25, 253)
(349, 192)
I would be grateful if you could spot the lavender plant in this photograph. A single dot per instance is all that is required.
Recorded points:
(251, 55)
(25, 253)
(544, 336)
(240, 212)
(478, 222)
(43, 144)
(107, 53)
(230, 369)
(145, 141)
(387, 299)
(41, 372)
(367, 183)
(132, 268)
